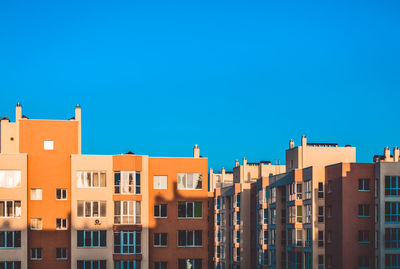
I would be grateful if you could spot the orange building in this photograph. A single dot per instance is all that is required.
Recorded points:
(62, 209)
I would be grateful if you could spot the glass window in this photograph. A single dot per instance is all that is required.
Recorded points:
(392, 185)
(190, 181)
(10, 209)
(127, 212)
(48, 145)
(36, 194)
(320, 190)
(90, 209)
(160, 182)
(160, 239)
(363, 210)
(36, 224)
(363, 236)
(127, 264)
(160, 265)
(61, 194)
(91, 239)
(61, 224)
(190, 264)
(92, 264)
(127, 182)
(363, 184)
(190, 210)
(36, 253)
(61, 253)
(127, 242)
(392, 238)
(10, 178)
(91, 179)
(190, 238)
(160, 211)
(10, 239)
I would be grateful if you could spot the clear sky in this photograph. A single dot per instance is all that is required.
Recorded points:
(239, 78)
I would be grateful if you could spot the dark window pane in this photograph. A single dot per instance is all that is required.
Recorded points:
(181, 209)
(103, 238)
(17, 239)
(80, 238)
(163, 210)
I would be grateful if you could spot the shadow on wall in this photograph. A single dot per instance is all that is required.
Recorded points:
(164, 224)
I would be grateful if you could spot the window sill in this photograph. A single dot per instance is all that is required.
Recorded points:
(161, 217)
(190, 246)
(160, 246)
(91, 247)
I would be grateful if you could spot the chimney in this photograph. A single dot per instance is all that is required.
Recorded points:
(396, 154)
(78, 112)
(236, 163)
(244, 161)
(387, 154)
(291, 144)
(196, 151)
(223, 170)
(18, 112)
(304, 141)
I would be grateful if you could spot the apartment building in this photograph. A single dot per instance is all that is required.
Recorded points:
(62, 209)
(233, 215)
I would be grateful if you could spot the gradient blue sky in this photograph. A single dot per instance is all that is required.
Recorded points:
(239, 78)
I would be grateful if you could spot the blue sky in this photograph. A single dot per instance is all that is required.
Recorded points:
(239, 78)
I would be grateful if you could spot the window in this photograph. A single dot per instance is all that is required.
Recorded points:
(125, 264)
(61, 194)
(308, 211)
(127, 242)
(10, 265)
(309, 239)
(91, 179)
(273, 237)
(329, 236)
(160, 182)
(36, 253)
(160, 211)
(237, 200)
(10, 179)
(363, 236)
(61, 253)
(265, 237)
(308, 191)
(392, 261)
(321, 262)
(36, 224)
(127, 182)
(392, 238)
(392, 212)
(92, 264)
(160, 239)
(160, 265)
(10, 209)
(320, 190)
(190, 264)
(91, 239)
(363, 184)
(295, 214)
(48, 145)
(61, 224)
(91, 209)
(127, 212)
(320, 214)
(190, 238)
(237, 237)
(190, 210)
(237, 218)
(308, 260)
(392, 186)
(265, 217)
(10, 239)
(190, 181)
(272, 195)
(36, 194)
(363, 262)
(320, 239)
(273, 215)
(363, 210)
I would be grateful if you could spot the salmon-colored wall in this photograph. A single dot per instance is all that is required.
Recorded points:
(49, 170)
(345, 223)
(171, 167)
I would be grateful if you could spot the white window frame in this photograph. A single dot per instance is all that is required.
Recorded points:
(16, 211)
(84, 202)
(160, 182)
(124, 186)
(159, 240)
(81, 181)
(62, 191)
(128, 205)
(36, 224)
(34, 253)
(159, 211)
(183, 181)
(48, 144)
(64, 257)
(36, 194)
(63, 223)
(10, 178)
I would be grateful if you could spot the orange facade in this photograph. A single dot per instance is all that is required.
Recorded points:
(49, 170)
